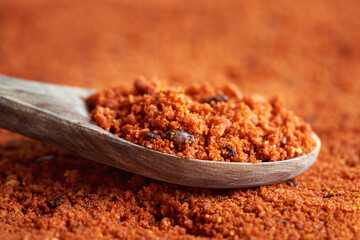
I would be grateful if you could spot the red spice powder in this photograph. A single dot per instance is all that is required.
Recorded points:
(202, 122)
(308, 53)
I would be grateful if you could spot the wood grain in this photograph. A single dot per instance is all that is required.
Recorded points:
(50, 113)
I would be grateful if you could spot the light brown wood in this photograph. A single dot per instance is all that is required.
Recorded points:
(50, 113)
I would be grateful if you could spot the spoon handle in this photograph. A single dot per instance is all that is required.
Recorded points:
(38, 110)
(58, 115)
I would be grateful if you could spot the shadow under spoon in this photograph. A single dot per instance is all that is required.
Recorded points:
(51, 114)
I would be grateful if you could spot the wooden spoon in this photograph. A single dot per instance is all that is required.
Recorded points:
(57, 115)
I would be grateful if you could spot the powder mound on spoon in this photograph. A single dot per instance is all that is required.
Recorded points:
(202, 122)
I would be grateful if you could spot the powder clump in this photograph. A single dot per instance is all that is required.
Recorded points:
(202, 122)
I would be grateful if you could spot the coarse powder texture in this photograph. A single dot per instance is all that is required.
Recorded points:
(202, 122)
(308, 53)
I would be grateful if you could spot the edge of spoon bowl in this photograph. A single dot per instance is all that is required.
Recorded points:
(205, 173)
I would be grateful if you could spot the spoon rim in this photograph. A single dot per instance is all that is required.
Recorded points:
(315, 150)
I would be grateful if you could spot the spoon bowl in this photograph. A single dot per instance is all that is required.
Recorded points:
(58, 115)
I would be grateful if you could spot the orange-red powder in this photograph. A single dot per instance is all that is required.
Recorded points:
(219, 124)
(308, 53)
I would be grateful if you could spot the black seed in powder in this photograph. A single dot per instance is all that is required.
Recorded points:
(230, 151)
(56, 201)
(217, 98)
(179, 137)
(152, 135)
(293, 182)
(329, 196)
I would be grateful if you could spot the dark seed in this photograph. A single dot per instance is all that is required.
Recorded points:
(45, 158)
(293, 182)
(217, 98)
(152, 220)
(56, 201)
(179, 137)
(329, 196)
(152, 135)
(230, 151)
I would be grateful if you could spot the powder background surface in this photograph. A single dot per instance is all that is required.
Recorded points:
(307, 52)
